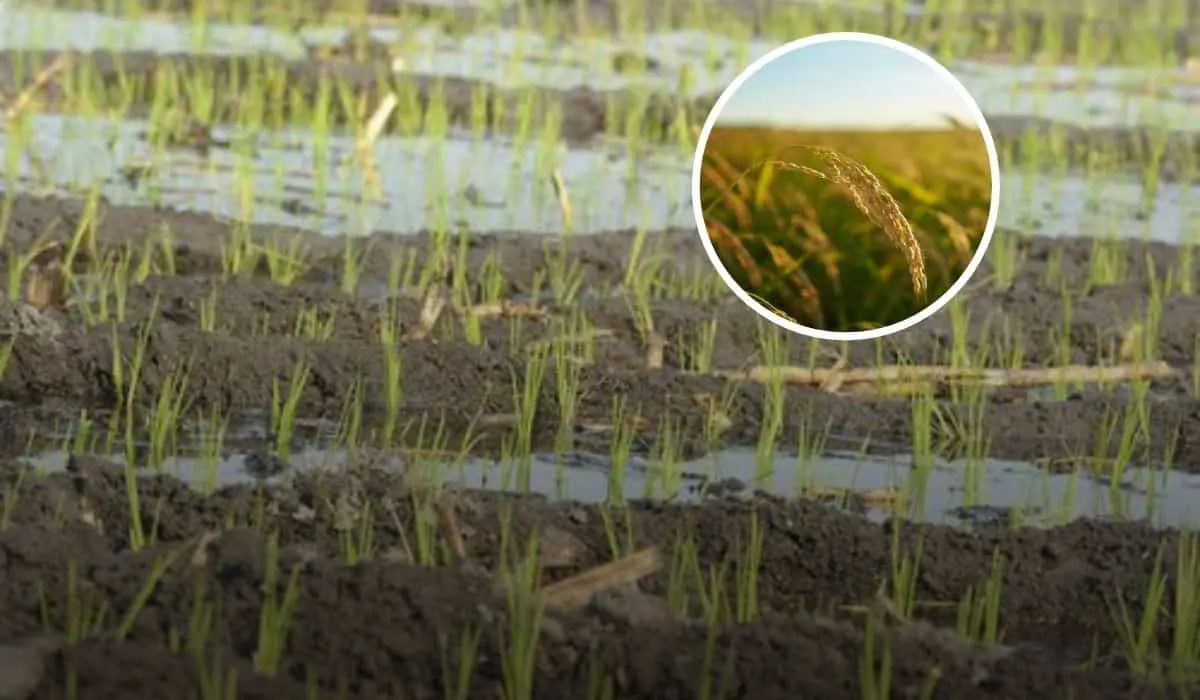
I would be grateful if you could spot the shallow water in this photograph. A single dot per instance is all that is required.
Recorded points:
(1107, 207)
(975, 493)
(424, 183)
(685, 61)
(457, 181)
(984, 494)
(427, 183)
(1097, 96)
(35, 28)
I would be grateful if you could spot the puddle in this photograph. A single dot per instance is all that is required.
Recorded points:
(33, 28)
(1107, 207)
(971, 493)
(991, 492)
(427, 183)
(424, 183)
(1101, 97)
(988, 494)
(459, 182)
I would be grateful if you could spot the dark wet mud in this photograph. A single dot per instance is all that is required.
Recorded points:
(386, 626)
(84, 613)
(250, 343)
(585, 114)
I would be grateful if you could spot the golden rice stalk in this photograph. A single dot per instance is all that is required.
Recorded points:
(868, 195)
(871, 198)
(767, 305)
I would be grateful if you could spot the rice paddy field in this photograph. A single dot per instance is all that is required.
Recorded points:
(788, 222)
(368, 350)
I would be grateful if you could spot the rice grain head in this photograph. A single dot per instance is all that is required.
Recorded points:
(871, 198)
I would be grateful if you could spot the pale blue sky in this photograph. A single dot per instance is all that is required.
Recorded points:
(845, 85)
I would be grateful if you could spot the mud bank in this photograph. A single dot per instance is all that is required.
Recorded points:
(251, 342)
(386, 627)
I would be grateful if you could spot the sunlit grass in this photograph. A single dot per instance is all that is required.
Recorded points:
(835, 250)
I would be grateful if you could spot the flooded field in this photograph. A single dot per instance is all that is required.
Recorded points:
(368, 350)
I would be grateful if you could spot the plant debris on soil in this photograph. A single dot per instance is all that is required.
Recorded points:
(381, 628)
(389, 626)
(137, 342)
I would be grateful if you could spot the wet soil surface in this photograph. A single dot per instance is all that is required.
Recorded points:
(251, 343)
(587, 114)
(387, 627)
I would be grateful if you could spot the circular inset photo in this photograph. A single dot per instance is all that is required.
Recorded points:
(846, 186)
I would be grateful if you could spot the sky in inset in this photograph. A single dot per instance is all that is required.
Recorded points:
(845, 84)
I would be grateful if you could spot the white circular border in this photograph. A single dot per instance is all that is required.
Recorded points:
(984, 241)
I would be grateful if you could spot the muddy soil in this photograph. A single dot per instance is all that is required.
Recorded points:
(372, 630)
(587, 114)
(252, 346)
(388, 627)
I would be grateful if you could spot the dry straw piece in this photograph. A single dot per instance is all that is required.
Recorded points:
(45, 288)
(893, 374)
(868, 195)
(576, 591)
